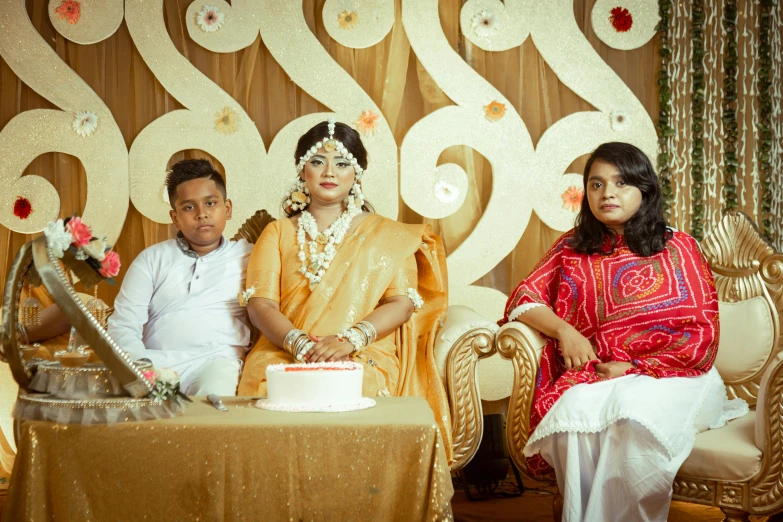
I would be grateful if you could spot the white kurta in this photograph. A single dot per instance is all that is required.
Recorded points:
(180, 311)
(616, 445)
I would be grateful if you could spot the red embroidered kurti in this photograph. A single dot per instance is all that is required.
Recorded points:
(658, 312)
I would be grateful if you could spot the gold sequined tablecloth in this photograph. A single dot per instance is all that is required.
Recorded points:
(384, 463)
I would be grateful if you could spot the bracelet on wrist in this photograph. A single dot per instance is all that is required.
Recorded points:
(355, 336)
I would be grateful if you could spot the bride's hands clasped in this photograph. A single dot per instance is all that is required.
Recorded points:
(329, 349)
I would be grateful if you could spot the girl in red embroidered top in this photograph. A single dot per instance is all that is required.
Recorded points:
(622, 300)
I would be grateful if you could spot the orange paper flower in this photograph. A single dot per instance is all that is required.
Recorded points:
(367, 124)
(70, 10)
(572, 198)
(494, 111)
(347, 20)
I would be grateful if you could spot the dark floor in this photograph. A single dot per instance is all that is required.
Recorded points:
(535, 505)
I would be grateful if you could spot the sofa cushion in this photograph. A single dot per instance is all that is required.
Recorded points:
(727, 453)
(746, 338)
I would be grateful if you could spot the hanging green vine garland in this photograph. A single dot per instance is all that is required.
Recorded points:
(697, 120)
(730, 127)
(765, 115)
(665, 130)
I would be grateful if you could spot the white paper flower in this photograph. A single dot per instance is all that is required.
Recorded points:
(484, 23)
(619, 121)
(85, 123)
(57, 238)
(446, 192)
(210, 18)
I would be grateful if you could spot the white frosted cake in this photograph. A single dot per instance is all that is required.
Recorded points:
(318, 387)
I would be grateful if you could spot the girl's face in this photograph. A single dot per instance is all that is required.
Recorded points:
(329, 177)
(612, 201)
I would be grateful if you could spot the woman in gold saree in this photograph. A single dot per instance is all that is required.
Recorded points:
(334, 281)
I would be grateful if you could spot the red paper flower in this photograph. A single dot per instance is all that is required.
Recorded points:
(621, 19)
(110, 266)
(22, 207)
(70, 9)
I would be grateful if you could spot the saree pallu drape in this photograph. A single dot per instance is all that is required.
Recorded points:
(379, 259)
(658, 312)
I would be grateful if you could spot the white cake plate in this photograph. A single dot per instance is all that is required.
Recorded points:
(361, 404)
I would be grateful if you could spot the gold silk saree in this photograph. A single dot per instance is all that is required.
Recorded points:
(381, 258)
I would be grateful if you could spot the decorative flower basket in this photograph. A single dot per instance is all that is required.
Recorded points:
(116, 390)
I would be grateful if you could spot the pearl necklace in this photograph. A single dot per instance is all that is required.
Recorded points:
(315, 267)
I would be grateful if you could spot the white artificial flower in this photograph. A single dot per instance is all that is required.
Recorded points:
(210, 18)
(245, 296)
(619, 121)
(168, 376)
(484, 23)
(96, 249)
(446, 192)
(85, 123)
(57, 238)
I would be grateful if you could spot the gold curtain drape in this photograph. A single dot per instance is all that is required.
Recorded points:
(389, 72)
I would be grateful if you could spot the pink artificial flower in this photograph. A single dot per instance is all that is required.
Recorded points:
(110, 266)
(149, 375)
(80, 231)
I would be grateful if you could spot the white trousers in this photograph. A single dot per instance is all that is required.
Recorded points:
(621, 473)
(219, 376)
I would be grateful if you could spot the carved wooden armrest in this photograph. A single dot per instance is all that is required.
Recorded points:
(523, 346)
(766, 489)
(464, 339)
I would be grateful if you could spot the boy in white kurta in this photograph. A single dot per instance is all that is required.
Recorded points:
(178, 303)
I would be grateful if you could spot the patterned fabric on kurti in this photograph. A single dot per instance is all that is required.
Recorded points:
(658, 312)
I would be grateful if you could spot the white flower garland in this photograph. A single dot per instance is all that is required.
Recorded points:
(314, 267)
(415, 298)
(329, 144)
(244, 297)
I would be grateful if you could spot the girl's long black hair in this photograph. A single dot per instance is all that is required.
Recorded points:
(646, 232)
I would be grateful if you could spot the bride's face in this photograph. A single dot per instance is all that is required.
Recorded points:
(329, 177)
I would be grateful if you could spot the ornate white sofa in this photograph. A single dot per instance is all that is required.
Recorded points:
(738, 468)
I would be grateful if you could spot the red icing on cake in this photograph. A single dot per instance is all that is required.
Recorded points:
(305, 369)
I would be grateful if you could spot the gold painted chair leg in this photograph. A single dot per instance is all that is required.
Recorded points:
(557, 507)
(734, 515)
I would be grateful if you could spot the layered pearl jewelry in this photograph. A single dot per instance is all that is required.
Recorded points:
(314, 267)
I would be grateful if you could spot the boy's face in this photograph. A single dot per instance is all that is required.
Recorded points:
(200, 212)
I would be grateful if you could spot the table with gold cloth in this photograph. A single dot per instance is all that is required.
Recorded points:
(383, 463)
